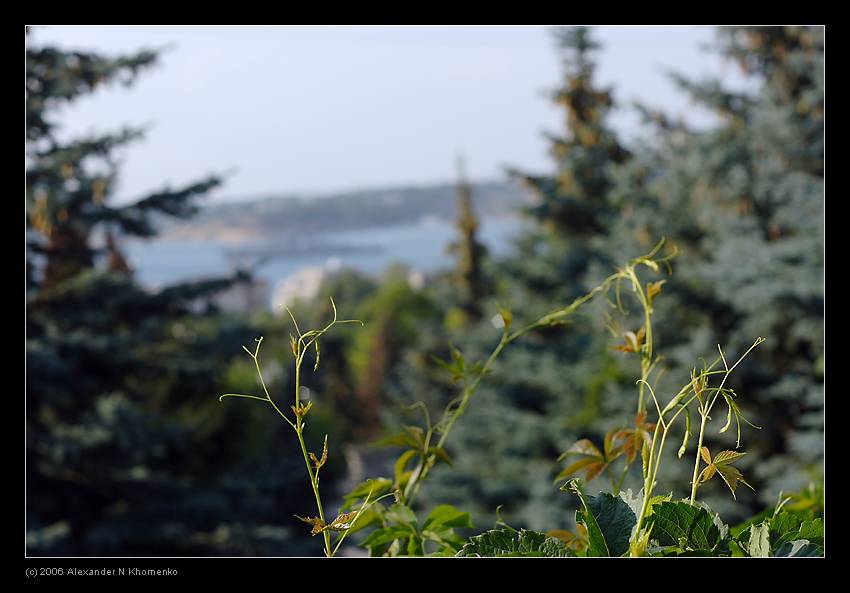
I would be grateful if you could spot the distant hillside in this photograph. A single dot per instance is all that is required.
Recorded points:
(269, 217)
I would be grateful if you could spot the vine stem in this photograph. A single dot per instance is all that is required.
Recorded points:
(652, 472)
(705, 410)
(552, 318)
(697, 460)
(427, 462)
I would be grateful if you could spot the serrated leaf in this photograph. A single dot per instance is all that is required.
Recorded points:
(615, 519)
(732, 476)
(707, 473)
(726, 457)
(722, 466)
(635, 501)
(786, 527)
(596, 544)
(509, 542)
(684, 526)
(608, 520)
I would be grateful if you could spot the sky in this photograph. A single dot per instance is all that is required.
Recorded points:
(315, 110)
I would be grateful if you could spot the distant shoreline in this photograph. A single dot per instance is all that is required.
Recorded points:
(269, 219)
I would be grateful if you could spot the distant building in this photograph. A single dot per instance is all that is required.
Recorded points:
(245, 297)
(303, 285)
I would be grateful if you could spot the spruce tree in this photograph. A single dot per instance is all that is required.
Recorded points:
(744, 202)
(472, 286)
(128, 451)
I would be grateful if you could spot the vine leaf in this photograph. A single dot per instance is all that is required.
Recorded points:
(684, 526)
(377, 486)
(786, 527)
(318, 463)
(593, 461)
(608, 520)
(722, 465)
(509, 542)
(632, 342)
(341, 522)
(653, 289)
(633, 439)
(445, 515)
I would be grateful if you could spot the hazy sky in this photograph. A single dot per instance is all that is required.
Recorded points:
(320, 109)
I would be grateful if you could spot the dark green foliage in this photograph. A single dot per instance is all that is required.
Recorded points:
(509, 542)
(608, 520)
(399, 533)
(783, 534)
(127, 451)
(684, 526)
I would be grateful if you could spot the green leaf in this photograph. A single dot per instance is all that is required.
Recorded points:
(798, 548)
(441, 454)
(401, 465)
(446, 515)
(449, 542)
(608, 519)
(596, 540)
(364, 520)
(684, 526)
(732, 476)
(412, 436)
(615, 519)
(377, 486)
(385, 535)
(786, 527)
(508, 542)
(401, 514)
(415, 546)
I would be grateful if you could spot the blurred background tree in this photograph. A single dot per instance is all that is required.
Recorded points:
(128, 450)
(744, 202)
(471, 281)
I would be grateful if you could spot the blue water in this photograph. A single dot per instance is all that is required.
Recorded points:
(421, 246)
